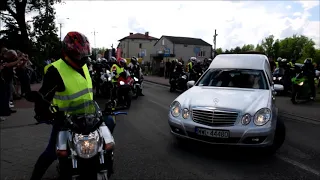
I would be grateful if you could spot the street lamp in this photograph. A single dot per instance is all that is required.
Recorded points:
(60, 25)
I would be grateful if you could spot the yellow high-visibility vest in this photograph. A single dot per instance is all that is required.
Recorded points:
(78, 95)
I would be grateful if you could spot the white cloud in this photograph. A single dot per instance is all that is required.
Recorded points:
(288, 7)
(308, 4)
(297, 14)
(236, 23)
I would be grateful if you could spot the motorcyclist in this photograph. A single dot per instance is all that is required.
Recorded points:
(62, 82)
(277, 62)
(191, 68)
(116, 70)
(197, 69)
(135, 68)
(309, 72)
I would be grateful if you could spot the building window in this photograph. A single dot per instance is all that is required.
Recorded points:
(186, 45)
(162, 42)
(140, 45)
(202, 54)
(124, 45)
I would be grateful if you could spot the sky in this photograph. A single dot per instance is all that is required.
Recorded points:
(237, 22)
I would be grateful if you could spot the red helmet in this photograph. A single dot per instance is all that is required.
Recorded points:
(122, 62)
(77, 47)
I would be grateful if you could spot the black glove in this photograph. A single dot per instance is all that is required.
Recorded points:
(42, 112)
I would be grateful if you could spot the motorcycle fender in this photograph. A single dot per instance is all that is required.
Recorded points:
(62, 140)
(106, 134)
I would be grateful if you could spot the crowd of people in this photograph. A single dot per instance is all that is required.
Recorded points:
(16, 74)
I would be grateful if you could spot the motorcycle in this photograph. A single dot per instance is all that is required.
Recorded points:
(85, 143)
(198, 75)
(179, 82)
(300, 88)
(125, 85)
(137, 86)
(106, 84)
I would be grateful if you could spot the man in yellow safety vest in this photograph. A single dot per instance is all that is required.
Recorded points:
(65, 81)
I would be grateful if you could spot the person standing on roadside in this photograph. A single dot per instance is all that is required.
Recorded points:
(23, 75)
(11, 59)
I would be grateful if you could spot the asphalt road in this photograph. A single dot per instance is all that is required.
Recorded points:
(145, 148)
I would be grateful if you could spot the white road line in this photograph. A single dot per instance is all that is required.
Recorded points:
(299, 165)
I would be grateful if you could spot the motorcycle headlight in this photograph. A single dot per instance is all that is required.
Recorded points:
(279, 78)
(274, 78)
(175, 109)
(121, 83)
(109, 78)
(184, 77)
(136, 79)
(300, 84)
(86, 146)
(262, 117)
(246, 119)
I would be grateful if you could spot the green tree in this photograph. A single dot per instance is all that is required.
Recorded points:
(47, 44)
(247, 47)
(259, 48)
(276, 49)
(219, 51)
(267, 45)
(14, 17)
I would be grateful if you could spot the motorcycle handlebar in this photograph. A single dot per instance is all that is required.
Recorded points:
(119, 113)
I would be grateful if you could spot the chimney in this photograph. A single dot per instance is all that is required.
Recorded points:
(131, 34)
(146, 34)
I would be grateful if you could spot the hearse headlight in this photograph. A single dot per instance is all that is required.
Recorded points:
(175, 109)
(262, 117)
(185, 113)
(246, 119)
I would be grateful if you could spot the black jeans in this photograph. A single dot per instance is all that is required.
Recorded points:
(47, 157)
(24, 81)
(5, 93)
(312, 87)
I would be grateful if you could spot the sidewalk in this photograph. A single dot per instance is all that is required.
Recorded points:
(302, 111)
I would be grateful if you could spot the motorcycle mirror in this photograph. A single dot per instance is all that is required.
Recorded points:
(190, 84)
(33, 96)
(278, 87)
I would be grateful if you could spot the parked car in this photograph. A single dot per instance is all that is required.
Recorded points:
(233, 103)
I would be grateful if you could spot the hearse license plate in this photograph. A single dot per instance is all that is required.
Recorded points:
(212, 133)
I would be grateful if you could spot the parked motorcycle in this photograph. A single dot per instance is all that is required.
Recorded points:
(124, 92)
(84, 144)
(178, 82)
(300, 89)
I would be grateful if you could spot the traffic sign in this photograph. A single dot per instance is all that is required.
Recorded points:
(166, 52)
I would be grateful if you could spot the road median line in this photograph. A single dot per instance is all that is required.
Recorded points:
(284, 114)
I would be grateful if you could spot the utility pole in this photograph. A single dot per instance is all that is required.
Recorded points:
(60, 25)
(94, 40)
(215, 42)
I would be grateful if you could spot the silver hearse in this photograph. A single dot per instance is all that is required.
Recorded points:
(232, 104)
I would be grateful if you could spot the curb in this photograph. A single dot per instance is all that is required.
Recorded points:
(283, 114)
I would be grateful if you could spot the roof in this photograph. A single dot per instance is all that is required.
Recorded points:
(240, 61)
(139, 36)
(185, 40)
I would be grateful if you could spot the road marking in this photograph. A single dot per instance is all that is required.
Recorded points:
(161, 105)
(299, 165)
